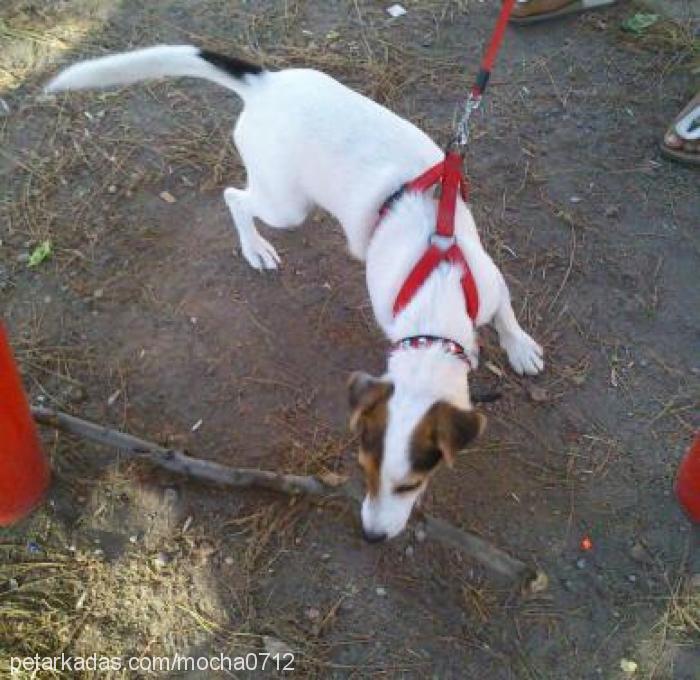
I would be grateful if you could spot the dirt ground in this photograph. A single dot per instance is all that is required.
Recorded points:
(145, 317)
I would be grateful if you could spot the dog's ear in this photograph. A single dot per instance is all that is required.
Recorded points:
(452, 428)
(364, 393)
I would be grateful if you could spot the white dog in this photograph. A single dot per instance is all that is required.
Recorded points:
(306, 140)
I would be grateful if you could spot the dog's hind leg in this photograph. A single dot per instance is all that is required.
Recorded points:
(524, 354)
(258, 252)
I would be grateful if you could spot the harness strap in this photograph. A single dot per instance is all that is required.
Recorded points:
(420, 184)
(427, 264)
(448, 173)
(451, 176)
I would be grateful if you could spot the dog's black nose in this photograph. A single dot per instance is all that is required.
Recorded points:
(371, 537)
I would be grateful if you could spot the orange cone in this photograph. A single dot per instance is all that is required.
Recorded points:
(688, 481)
(24, 470)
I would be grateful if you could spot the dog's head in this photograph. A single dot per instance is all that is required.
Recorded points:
(404, 436)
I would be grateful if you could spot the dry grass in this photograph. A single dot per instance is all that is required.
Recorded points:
(76, 590)
(84, 589)
(679, 40)
(683, 615)
(34, 34)
(89, 154)
(678, 628)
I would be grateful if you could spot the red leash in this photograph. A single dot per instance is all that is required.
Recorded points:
(492, 50)
(448, 174)
(482, 78)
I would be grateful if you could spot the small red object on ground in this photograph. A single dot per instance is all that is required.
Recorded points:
(688, 481)
(586, 543)
(24, 471)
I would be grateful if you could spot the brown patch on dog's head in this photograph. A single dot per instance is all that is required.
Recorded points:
(368, 397)
(442, 433)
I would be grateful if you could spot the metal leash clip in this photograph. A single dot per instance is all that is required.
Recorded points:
(472, 104)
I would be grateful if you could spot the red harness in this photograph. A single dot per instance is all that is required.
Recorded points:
(448, 174)
(443, 246)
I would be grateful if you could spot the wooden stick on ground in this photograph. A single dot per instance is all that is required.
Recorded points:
(475, 547)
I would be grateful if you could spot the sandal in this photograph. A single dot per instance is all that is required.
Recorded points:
(534, 11)
(682, 139)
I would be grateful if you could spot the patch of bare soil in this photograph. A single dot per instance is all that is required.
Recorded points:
(145, 317)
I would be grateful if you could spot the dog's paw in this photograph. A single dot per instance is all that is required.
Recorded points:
(524, 354)
(259, 253)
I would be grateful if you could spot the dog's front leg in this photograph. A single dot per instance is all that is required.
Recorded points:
(524, 354)
(258, 252)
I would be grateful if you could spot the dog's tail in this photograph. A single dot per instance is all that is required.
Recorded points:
(157, 62)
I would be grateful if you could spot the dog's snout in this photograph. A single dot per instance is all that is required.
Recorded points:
(372, 537)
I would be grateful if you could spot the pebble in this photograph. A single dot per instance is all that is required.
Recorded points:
(580, 563)
(640, 554)
(628, 666)
(420, 534)
(133, 539)
(313, 614)
(632, 578)
(276, 647)
(381, 591)
(396, 11)
(99, 292)
(112, 189)
(161, 560)
(538, 393)
(410, 550)
(229, 560)
(325, 557)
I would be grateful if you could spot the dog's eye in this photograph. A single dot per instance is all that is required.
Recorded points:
(407, 488)
(424, 460)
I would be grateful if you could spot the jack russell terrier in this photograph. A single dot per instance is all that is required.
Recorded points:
(306, 140)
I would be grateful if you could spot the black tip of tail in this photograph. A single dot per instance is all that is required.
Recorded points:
(232, 65)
